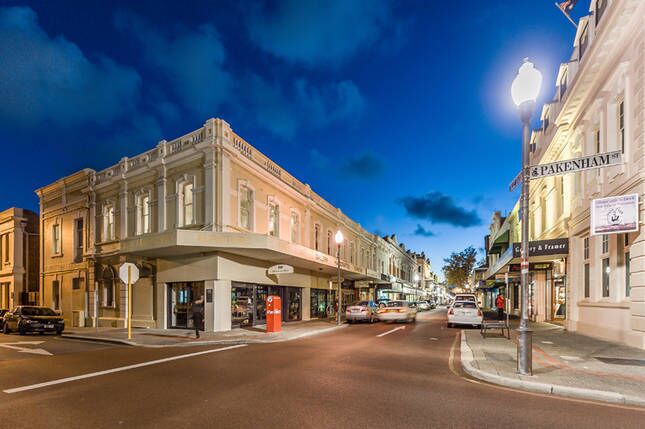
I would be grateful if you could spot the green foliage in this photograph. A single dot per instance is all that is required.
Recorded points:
(458, 266)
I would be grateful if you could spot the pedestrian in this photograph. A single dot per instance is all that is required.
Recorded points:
(499, 303)
(198, 315)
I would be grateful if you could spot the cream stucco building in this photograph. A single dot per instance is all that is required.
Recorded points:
(18, 257)
(205, 214)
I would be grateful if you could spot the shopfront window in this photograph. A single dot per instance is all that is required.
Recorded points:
(628, 287)
(181, 296)
(606, 269)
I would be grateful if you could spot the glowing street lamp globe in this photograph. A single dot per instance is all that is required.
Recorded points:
(526, 85)
(339, 237)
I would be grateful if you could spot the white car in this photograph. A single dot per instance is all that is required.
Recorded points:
(397, 311)
(464, 313)
(423, 306)
(361, 311)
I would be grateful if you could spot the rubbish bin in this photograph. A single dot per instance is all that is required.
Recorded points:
(274, 314)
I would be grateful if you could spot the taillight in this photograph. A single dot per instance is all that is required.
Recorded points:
(401, 310)
(450, 311)
(479, 312)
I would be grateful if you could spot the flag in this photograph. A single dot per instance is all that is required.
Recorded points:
(566, 6)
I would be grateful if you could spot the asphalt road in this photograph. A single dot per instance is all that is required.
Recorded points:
(350, 378)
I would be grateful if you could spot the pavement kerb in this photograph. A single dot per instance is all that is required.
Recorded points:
(545, 388)
(85, 337)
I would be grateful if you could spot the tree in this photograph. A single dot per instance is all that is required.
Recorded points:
(458, 266)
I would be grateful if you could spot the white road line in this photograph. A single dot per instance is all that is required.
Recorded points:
(113, 370)
(390, 331)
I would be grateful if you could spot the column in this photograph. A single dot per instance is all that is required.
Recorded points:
(221, 305)
(123, 211)
(161, 200)
(209, 305)
(209, 189)
(305, 302)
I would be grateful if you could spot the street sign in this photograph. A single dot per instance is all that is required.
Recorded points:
(516, 182)
(578, 164)
(123, 272)
(281, 269)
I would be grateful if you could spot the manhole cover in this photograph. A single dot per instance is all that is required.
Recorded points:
(620, 361)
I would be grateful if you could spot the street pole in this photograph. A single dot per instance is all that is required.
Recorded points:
(340, 305)
(525, 340)
(129, 302)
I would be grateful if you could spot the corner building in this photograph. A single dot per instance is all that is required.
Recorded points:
(599, 107)
(205, 215)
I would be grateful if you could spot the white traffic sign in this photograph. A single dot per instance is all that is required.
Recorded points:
(281, 269)
(578, 164)
(16, 346)
(516, 182)
(123, 272)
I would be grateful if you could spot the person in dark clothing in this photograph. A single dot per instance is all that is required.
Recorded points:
(499, 303)
(198, 315)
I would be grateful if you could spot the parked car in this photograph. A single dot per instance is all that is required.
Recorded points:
(28, 318)
(361, 311)
(2, 313)
(397, 311)
(423, 306)
(464, 313)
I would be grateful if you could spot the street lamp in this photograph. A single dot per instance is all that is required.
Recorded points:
(416, 285)
(524, 90)
(339, 240)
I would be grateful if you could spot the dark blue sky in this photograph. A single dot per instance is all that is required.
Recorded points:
(399, 113)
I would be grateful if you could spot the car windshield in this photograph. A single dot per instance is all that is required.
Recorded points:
(37, 311)
(465, 298)
(462, 304)
(360, 304)
(396, 304)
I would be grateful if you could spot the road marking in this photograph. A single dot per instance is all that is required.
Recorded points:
(547, 342)
(16, 346)
(434, 339)
(451, 357)
(390, 331)
(113, 370)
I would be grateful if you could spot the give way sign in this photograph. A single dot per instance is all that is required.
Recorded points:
(123, 273)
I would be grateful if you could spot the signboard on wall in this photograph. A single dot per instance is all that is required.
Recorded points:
(281, 269)
(614, 215)
(557, 246)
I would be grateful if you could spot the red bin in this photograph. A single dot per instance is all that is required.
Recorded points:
(274, 314)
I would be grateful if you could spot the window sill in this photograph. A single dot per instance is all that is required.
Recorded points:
(623, 305)
(110, 241)
(57, 255)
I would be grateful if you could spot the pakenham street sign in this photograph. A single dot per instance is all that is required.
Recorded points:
(578, 164)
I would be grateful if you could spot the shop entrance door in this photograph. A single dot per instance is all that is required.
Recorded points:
(559, 296)
(181, 297)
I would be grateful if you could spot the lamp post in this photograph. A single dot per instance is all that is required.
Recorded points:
(339, 240)
(416, 286)
(524, 90)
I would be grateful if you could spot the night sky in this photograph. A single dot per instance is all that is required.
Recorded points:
(399, 113)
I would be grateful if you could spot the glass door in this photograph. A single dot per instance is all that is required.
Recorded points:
(180, 298)
(559, 299)
(242, 309)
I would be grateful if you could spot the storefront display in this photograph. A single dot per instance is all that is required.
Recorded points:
(181, 297)
(248, 303)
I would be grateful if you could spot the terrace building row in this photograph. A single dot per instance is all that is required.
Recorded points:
(206, 215)
(593, 284)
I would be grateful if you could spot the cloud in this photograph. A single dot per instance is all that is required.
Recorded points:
(439, 208)
(319, 33)
(366, 166)
(283, 110)
(45, 78)
(192, 62)
(421, 231)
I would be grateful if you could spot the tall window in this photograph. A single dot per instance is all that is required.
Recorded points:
(107, 294)
(351, 252)
(246, 207)
(56, 247)
(605, 243)
(329, 242)
(601, 5)
(143, 214)
(108, 222)
(78, 240)
(295, 226)
(4, 248)
(317, 236)
(605, 277)
(584, 41)
(187, 202)
(596, 139)
(563, 86)
(274, 219)
(585, 248)
(587, 280)
(561, 189)
(56, 294)
(621, 125)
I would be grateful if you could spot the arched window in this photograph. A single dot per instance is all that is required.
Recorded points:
(274, 218)
(246, 208)
(295, 226)
(328, 242)
(317, 236)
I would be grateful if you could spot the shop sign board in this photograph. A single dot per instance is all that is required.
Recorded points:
(533, 266)
(280, 269)
(558, 246)
(578, 164)
(614, 215)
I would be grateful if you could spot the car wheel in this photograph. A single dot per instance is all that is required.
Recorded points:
(5, 329)
(21, 329)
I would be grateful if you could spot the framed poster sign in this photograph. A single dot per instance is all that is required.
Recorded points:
(614, 215)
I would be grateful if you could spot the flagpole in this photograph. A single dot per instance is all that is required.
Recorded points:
(566, 15)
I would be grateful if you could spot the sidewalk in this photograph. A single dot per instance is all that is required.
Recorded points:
(148, 337)
(564, 363)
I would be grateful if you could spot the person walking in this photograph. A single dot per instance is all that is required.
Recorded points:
(499, 303)
(198, 315)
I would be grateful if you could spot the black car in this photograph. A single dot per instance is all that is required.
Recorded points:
(28, 318)
(2, 312)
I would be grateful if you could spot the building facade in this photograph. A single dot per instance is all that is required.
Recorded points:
(599, 107)
(19, 257)
(204, 215)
